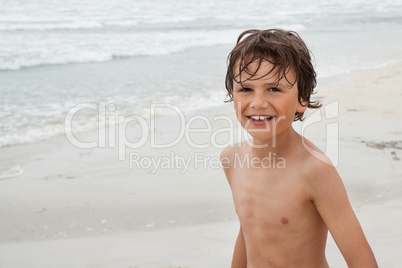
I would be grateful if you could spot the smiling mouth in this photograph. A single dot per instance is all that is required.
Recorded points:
(260, 118)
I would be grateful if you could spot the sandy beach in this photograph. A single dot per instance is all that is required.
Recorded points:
(64, 206)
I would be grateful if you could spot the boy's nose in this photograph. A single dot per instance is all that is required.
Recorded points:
(259, 102)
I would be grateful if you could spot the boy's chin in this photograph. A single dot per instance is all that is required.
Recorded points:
(261, 137)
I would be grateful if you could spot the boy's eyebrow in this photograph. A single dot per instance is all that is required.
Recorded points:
(275, 84)
(245, 84)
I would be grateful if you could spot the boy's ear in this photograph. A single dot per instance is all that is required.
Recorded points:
(301, 106)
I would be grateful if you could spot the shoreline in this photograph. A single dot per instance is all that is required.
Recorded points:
(59, 75)
(325, 92)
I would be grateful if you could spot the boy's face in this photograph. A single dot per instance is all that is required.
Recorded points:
(266, 107)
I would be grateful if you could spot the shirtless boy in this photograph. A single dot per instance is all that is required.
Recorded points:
(285, 208)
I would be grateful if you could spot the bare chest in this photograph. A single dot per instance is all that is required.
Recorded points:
(269, 199)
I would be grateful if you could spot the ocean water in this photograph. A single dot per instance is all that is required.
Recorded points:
(129, 54)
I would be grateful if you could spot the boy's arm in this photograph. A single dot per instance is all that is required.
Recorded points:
(239, 259)
(331, 200)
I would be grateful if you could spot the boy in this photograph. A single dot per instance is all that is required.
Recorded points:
(285, 210)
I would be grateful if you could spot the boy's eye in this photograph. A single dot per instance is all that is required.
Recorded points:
(273, 89)
(245, 89)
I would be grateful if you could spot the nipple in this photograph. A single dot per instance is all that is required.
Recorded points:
(284, 220)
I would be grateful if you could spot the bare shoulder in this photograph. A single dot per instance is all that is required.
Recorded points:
(228, 153)
(227, 157)
(318, 169)
(314, 159)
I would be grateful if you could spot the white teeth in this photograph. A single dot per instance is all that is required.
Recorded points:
(256, 117)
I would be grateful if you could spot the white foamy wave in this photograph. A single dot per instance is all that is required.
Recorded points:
(79, 57)
(124, 23)
(31, 134)
(50, 120)
(10, 172)
(294, 27)
(102, 48)
(49, 25)
(164, 20)
(18, 63)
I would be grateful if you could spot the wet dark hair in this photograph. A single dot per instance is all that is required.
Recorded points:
(285, 50)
